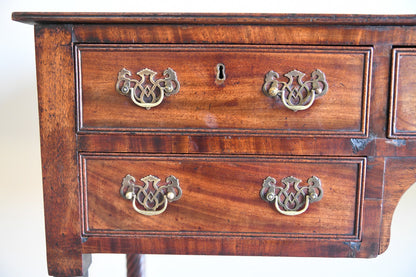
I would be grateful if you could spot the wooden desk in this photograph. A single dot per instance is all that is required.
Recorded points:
(223, 134)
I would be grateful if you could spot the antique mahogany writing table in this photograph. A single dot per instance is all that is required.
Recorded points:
(223, 134)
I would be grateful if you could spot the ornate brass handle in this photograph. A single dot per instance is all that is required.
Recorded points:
(147, 95)
(296, 94)
(288, 202)
(153, 198)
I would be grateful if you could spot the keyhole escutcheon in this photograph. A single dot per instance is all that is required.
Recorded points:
(220, 72)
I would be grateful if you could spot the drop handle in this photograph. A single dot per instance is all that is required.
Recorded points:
(220, 74)
(291, 198)
(296, 94)
(146, 92)
(150, 198)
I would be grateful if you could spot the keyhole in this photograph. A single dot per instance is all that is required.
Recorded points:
(220, 69)
(221, 72)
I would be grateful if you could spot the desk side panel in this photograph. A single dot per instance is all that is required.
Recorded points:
(56, 96)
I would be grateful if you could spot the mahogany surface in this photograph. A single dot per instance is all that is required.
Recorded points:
(221, 141)
(222, 196)
(403, 101)
(237, 106)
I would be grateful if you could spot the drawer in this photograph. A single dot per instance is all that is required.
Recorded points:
(222, 89)
(221, 196)
(403, 101)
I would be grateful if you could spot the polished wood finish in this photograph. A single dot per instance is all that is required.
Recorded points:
(358, 138)
(403, 104)
(135, 265)
(224, 18)
(398, 173)
(222, 197)
(239, 104)
(58, 141)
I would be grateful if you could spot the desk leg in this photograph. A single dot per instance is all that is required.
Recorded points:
(400, 174)
(85, 275)
(135, 265)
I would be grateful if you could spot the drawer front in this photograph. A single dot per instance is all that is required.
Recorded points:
(403, 100)
(232, 102)
(221, 196)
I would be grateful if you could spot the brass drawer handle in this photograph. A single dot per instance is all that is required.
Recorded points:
(153, 198)
(288, 202)
(295, 94)
(144, 94)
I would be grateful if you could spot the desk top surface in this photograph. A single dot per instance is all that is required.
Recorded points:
(214, 18)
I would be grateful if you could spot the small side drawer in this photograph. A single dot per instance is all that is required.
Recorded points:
(403, 92)
(237, 103)
(221, 197)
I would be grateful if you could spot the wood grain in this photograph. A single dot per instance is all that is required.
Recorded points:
(59, 168)
(278, 34)
(403, 105)
(135, 265)
(237, 144)
(237, 106)
(221, 196)
(223, 140)
(400, 175)
(219, 18)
